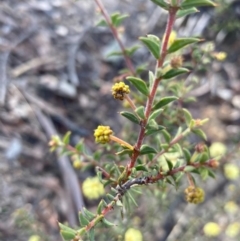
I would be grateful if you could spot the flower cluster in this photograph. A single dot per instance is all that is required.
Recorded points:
(176, 62)
(211, 229)
(102, 134)
(92, 188)
(231, 171)
(119, 90)
(133, 234)
(194, 194)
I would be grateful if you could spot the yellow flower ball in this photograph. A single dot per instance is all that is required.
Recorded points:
(102, 134)
(194, 195)
(119, 90)
(231, 207)
(133, 235)
(220, 56)
(233, 230)
(211, 229)
(231, 171)
(34, 238)
(92, 188)
(217, 150)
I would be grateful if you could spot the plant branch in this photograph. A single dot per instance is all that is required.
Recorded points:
(116, 36)
(141, 181)
(148, 108)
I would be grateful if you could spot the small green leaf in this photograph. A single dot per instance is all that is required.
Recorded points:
(166, 136)
(162, 4)
(139, 84)
(91, 234)
(140, 112)
(67, 235)
(66, 138)
(196, 3)
(114, 53)
(110, 197)
(170, 165)
(107, 223)
(145, 149)
(140, 68)
(175, 72)
(211, 174)
(141, 168)
(203, 173)
(203, 157)
(130, 116)
(189, 168)
(66, 228)
(187, 155)
(152, 124)
(117, 18)
(164, 101)
(188, 117)
(152, 45)
(185, 12)
(155, 114)
(100, 207)
(82, 219)
(102, 23)
(151, 78)
(97, 155)
(124, 152)
(181, 43)
(151, 130)
(200, 133)
(79, 146)
(88, 214)
(130, 51)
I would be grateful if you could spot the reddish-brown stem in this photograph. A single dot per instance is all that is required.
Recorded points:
(163, 54)
(116, 36)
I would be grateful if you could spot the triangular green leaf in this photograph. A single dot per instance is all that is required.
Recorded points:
(189, 168)
(185, 12)
(188, 116)
(88, 214)
(107, 223)
(155, 114)
(145, 149)
(102, 23)
(181, 43)
(82, 219)
(117, 18)
(161, 3)
(140, 112)
(139, 84)
(200, 133)
(130, 116)
(196, 3)
(91, 235)
(141, 168)
(130, 51)
(67, 235)
(66, 138)
(164, 101)
(152, 45)
(175, 72)
(151, 130)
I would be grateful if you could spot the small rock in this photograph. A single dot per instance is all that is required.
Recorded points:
(236, 101)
